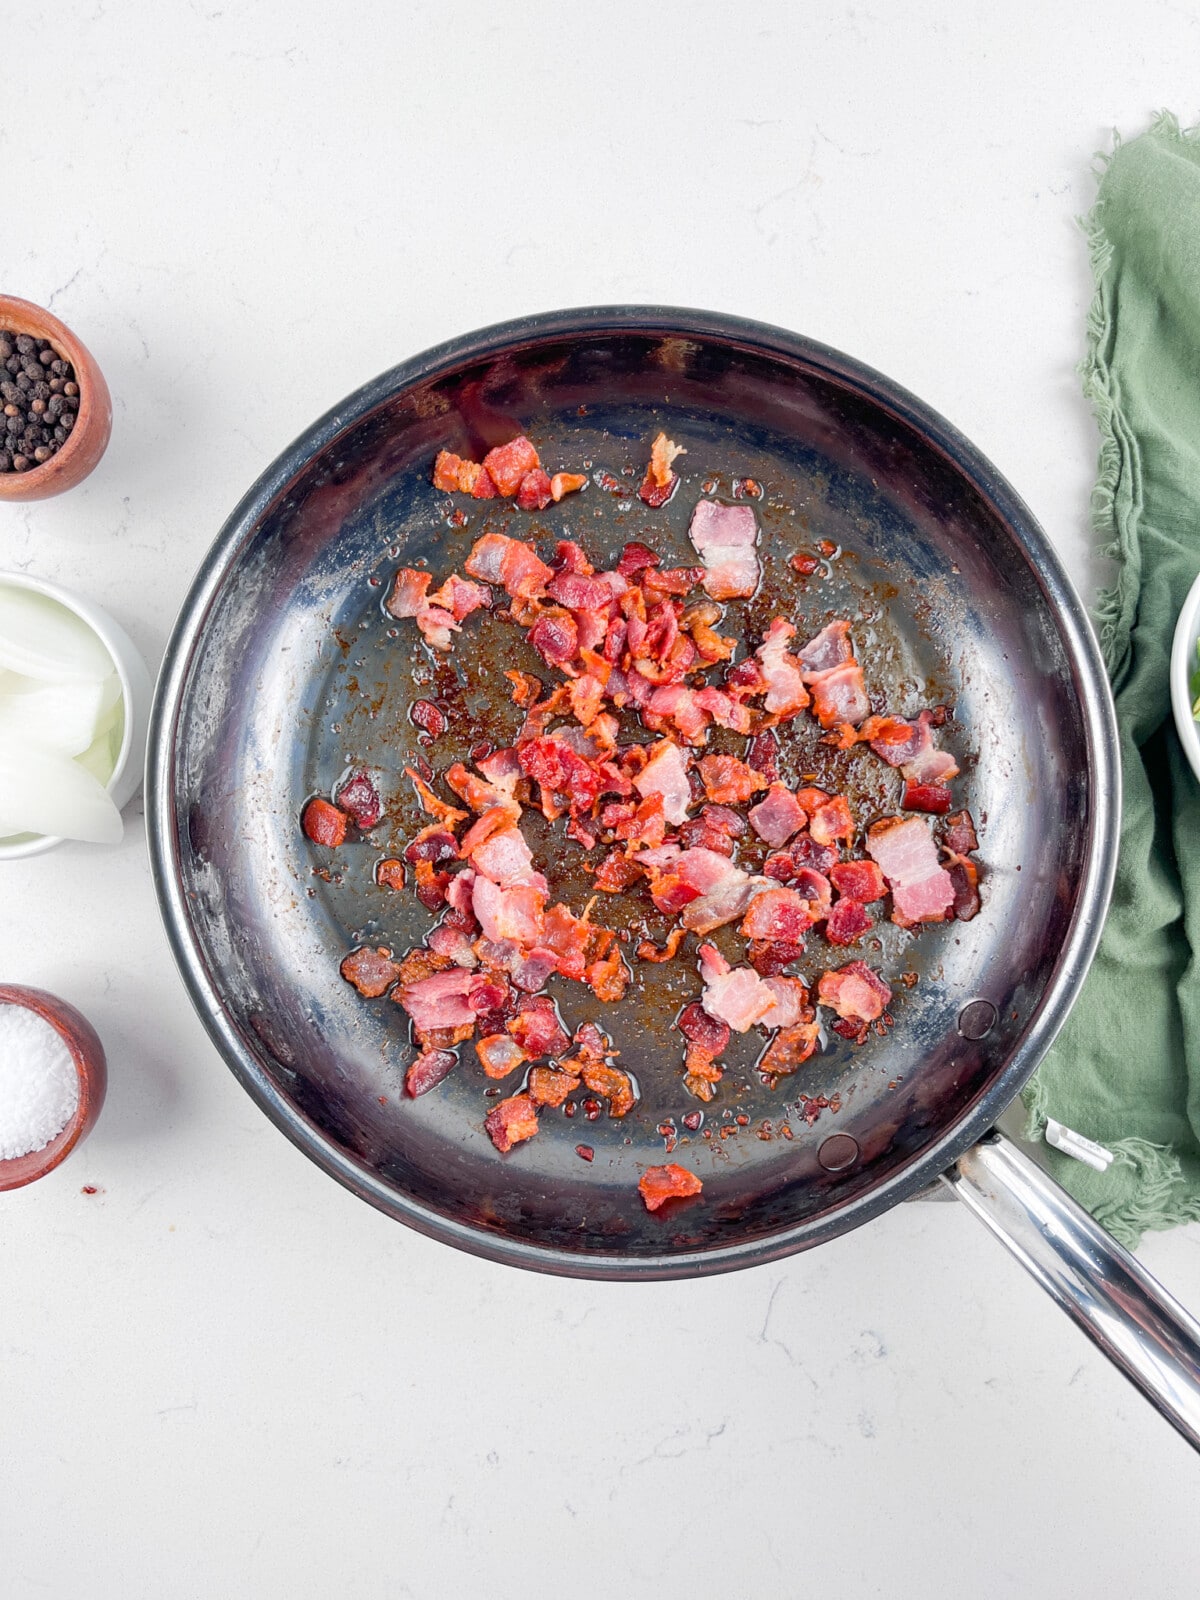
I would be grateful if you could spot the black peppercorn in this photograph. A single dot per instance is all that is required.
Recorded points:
(41, 401)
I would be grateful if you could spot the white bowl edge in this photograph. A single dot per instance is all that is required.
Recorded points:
(1183, 658)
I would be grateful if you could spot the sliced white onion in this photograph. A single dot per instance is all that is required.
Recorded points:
(60, 716)
(42, 639)
(43, 791)
(100, 757)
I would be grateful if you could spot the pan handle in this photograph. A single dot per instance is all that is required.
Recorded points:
(1140, 1327)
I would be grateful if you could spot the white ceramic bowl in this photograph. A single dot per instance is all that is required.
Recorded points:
(1183, 660)
(136, 689)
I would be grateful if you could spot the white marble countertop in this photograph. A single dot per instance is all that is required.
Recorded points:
(222, 1374)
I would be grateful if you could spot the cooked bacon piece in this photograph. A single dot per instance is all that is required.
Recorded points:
(502, 853)
(778, 817)
(650, 952)
(389, 873)
(826, 650)
(701, 834)
(560, 771)
(429, 718)
(964, 875)
(440, 1001)
(857, 994)
(840, 695)
(499, 1055)
(699, 1029)
(447, 470)
(550, 1087)
(736, 995)
(372, 972)
(665, 774)
(409, 588)
(534, 967)
(831, 821)
(763, 755)
(323, 823)
(660, 482)
(659, 582)
(459, 596)
(725, 537)
(616, 873)
(608, 977)
(430, 804)
(921, 888)
(791, 1003)
(526, 688)
(428, 1070)
(725, 902)
(434, 843)
(580, 591)
(482, 486)
(511, 563)
(701, 1073)
(480, 796)
(616, 1086)
(805, 565)
(565, 483)
(508, 464)
(455, 943)
(926, 797)
(536, 1027)
(657, 1185)
(573, 941)
(769, 957)
(725, 711)
(728, 780)
(675, 705)
(359, 796)
(515, 913)
(421, 963)
(847, 922)
(958, 834)
(789, 1049)
(437, 626)
(679, 877)
(643, 823)
(534, 492)
(697, 620)
(512, 1121)
(779, 914)
(502, 769)
(858, 880)
(786, 694)
(555, 638)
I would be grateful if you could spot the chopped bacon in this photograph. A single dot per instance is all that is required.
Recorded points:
(372, 972)
(389, 873)
(780, 914)
(550, 1087)
(699, 1029)
(831, 821)
(616, 873)
(725, 902)
(769, 957)
(409, 588)
(847, 922)
(728, 780)
(725, 538)
(565, 483)
(840, 695)
(455, 943)
(636, 558)
(776, 818)
(648, 951)
(789, 1049)
(430, 804)
(536, 1027)
(511, 563)
(786, 694)
(555, 638)
(958, 834)
(499, 1055)
(736, 995)
(858, 880)
(725, 711)
(560, 771)
(964, 875)
(530, 972)
(534, 492)
(421, 963)
(439, 1001)
(512, 1121)
(526, 688)
(434, 843)
(431, 719)
(857, 994)
(608, 977)
(508, 464)
(660, 481)
(324, 823)
(446, 471)
(926, 797)
(763, 755)
(791, 1003)
(428, 1070)
(460, 597)
(616, 1086)
(657, 1185)
(359, 796)
(665, 774)
(921, 888)
(826, 650)
(482, 486)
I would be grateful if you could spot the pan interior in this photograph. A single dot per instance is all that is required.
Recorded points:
(295, 674)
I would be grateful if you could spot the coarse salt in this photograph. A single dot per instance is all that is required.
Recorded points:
(39, 1086)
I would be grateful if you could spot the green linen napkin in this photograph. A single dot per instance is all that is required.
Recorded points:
(1126, 1068)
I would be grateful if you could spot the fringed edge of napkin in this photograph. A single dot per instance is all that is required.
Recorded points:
(1153, 1171)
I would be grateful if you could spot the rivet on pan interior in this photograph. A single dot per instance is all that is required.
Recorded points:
(977, 1019)
(838, 1151)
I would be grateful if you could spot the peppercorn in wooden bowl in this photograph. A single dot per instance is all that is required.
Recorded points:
(86, 436)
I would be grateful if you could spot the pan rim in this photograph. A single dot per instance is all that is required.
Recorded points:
(1087, 672)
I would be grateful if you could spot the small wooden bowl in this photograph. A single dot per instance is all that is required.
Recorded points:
(87, 1053)
(88, 439)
